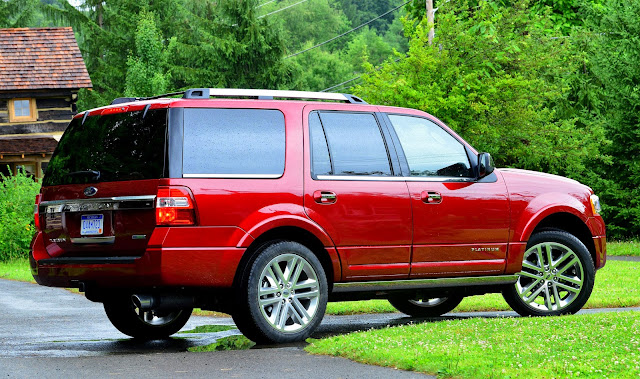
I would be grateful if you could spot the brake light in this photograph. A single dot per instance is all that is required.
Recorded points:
(174, 206)
(36, 213)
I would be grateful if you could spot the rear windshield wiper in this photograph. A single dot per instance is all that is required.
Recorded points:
(92, 173)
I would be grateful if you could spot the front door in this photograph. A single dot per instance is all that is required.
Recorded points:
(460, 225)
(353, 189)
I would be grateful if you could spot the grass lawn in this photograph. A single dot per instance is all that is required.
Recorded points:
(595, 345)
(16, 270)
(624, 248)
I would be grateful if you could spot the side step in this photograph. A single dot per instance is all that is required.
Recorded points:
(413, 284)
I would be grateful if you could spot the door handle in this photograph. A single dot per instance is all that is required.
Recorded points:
(431, 197)
(324, 197)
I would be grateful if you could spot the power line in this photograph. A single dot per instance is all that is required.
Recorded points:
(281, 9)
(347, 32)
(263, 4)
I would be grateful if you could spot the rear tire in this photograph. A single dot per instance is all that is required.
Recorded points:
(148, 325)
(425, 307)
(284, 297)
(557, 276)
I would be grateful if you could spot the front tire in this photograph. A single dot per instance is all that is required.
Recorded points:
(284, 297)
(425, 306)
(147, 325)
(557, 276)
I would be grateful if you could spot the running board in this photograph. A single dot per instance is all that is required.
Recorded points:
(413, 284)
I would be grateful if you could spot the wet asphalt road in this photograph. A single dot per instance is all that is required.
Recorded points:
(51, 332)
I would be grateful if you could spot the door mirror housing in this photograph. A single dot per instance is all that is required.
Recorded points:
(485, 165)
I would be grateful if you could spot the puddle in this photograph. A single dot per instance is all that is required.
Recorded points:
(210, 329)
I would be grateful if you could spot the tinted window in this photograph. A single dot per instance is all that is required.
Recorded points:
(429, 149)
(122, 146)
(355, 144)
(320, 151)
(233, 141)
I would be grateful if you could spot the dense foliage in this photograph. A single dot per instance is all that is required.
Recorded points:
(17, 197)
(549, 85)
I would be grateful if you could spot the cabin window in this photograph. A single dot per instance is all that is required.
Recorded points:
(22, 110)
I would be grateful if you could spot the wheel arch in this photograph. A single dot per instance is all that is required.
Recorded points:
(327, 256)
(570, 223)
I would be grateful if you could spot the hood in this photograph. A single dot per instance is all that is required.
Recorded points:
(540, 180)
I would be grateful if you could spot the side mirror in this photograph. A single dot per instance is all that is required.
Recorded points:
(485, 165)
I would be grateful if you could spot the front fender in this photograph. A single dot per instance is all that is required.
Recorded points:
(545, 205)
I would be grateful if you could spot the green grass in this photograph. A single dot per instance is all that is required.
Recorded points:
(617, 285)
(624, 248)
(595, 345)
(226, 343)
(210, 329)
(16, 270)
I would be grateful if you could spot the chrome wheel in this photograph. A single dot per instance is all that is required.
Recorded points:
(288, 293)
(153, 318)
(428, 302)
(552, 277)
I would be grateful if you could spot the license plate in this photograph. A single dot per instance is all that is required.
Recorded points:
(91, 224)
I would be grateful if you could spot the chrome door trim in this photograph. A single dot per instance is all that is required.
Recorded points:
(80, 240)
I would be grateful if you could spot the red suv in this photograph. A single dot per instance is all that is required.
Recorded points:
(255, 204)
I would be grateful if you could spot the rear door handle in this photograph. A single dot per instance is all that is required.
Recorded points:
(324, 197)
(431, 197)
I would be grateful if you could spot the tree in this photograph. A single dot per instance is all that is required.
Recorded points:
(606, 91)
(495, 77)
(17, 13)
(146, 70)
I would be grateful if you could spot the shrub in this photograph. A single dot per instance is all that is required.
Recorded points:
(17, 195)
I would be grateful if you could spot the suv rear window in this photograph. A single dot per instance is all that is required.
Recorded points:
(121, 146)
(231, 142)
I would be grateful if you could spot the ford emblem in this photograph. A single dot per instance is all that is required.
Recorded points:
(90, 191)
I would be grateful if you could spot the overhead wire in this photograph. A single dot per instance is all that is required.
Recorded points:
(347, 32)
(281, 9)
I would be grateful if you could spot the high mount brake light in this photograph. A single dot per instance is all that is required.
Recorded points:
(174, 206)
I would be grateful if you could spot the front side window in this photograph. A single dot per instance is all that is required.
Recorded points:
(355, 145)
(22, 110)
(231, 142)
(429, 149)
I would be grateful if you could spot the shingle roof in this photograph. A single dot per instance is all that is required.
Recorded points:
(27, 145)
(40, 58)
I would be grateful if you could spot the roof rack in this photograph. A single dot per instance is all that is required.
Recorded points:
(268, 94)
(260, 94)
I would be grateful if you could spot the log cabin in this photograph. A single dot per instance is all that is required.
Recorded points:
(41, 72)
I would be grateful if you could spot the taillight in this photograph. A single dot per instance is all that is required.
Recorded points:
(36, 212)
(174, 206)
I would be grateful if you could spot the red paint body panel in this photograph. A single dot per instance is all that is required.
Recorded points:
(375, 229)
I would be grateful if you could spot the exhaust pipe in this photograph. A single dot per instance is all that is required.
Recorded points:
(163, 302)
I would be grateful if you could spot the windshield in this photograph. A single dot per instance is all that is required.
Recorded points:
(115, 147)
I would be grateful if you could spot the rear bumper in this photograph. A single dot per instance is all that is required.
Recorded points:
(157, 267)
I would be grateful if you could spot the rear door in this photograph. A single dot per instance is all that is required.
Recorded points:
(460, 224)
(99, 190)
(354, 191)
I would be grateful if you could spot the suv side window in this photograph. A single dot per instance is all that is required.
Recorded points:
(231, 142)
(429, 149)
(352, 142)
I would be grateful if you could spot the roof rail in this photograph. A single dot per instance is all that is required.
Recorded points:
(267, 94)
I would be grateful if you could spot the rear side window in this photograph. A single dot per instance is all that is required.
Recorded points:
(121, 146)
(354, 141)
(429, 149)
(231, 142)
